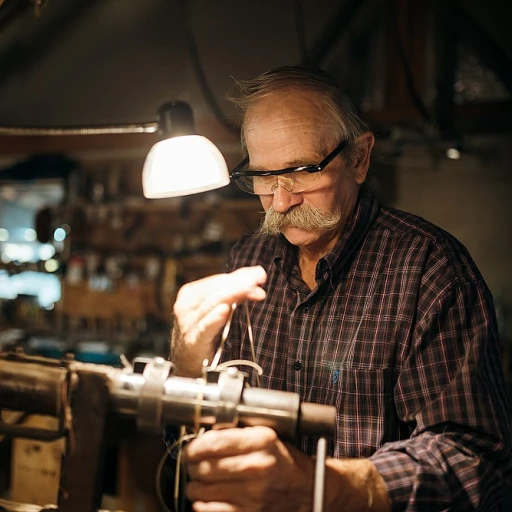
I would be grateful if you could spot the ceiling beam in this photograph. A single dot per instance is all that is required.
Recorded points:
(335, 29)
(18, 56)
(479, 41)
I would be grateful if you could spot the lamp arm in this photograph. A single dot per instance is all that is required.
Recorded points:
(46, 131)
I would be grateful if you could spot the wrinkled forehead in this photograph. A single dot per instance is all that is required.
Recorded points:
(289, 112)
(284, 103)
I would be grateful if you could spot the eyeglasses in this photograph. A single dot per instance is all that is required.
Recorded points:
(294, 179)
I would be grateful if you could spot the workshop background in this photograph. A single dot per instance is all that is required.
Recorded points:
(89, 266)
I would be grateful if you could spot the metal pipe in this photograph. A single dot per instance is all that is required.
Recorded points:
(49, 131)
(155, 399)
(182, 397)
(31, 388)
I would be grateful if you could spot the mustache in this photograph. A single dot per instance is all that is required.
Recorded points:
(305, 217)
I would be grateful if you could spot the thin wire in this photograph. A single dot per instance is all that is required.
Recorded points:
(158, 477)
(199, 399)
(200, 74)
(321, 449)
(251, 340)
(225, 333)
(184, 437)
(177, 472)
(319, 484)
(246, 362)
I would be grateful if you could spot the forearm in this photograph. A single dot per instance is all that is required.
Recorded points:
(355, 485)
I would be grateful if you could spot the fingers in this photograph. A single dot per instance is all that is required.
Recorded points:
(225, 492)
(253, 494)
(247, 469)
(202, 308)
(205, 294)
(212, 506)
(232, 469)
(213, 321)
(229, 442)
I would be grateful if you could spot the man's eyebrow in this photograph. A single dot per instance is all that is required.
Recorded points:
(297, 162)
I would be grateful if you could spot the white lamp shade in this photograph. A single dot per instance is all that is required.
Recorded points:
(184, 165)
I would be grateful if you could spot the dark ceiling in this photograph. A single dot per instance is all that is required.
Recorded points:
(441, 68)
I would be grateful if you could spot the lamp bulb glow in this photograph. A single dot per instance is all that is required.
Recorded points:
(184, 165)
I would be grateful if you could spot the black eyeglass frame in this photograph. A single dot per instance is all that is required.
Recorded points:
(238, 173)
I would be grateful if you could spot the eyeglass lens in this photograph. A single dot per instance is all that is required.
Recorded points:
(296, 182)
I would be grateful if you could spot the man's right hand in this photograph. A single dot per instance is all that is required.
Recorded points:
(201, 310)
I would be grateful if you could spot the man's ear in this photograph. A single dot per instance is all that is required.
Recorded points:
(364, 145)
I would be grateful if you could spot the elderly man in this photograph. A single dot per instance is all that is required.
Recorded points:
(352, 304)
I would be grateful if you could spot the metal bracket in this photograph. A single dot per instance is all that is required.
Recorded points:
(149, 414)
(231, 385)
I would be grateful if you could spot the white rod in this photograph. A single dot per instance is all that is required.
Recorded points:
(318, 496)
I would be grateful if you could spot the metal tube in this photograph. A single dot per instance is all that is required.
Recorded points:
(220, 400)
(49, 131)
(182, 397)
(278, 410)
(32, 388)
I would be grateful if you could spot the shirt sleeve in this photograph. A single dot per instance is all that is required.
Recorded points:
(451, 392)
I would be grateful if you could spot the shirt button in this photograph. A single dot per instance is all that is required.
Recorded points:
(307, 307)
(297, 365)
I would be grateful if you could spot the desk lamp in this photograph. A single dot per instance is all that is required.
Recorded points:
(182, 163)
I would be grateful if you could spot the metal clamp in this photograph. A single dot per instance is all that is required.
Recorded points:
(231, 385)
(149, 413)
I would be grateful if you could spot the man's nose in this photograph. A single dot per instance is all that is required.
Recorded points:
(284, 200)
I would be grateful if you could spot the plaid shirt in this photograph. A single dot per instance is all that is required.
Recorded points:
(400, 335)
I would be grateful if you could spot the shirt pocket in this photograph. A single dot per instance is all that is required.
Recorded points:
(366, 416)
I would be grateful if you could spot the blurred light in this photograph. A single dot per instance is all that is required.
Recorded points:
(11, 251)
(51, 265)
(46, 251)
(453, 154)
(30, 235)
(6, 289)
(8, 193)
(4, 235)
(59, 234)
(25, 253)
(59, 246)
(46, 287)
(22, 253)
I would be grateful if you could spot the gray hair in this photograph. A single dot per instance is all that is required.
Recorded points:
(341, 116)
